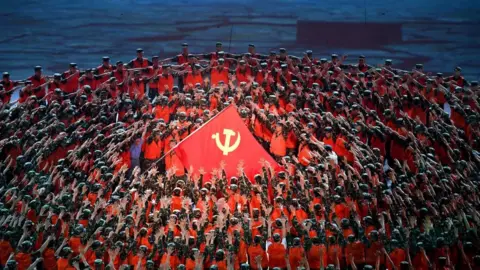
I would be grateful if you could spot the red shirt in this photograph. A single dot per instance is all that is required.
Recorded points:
(139, 63)
(36, 82)
(103, 69)
(72, 83)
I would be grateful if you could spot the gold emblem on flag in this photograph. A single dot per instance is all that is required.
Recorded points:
(226, 147)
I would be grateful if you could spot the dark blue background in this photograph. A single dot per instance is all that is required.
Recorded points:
(441, 33)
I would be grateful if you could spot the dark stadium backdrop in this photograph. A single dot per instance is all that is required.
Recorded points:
(441, 34)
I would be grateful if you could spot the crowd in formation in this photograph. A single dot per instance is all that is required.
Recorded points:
(380, 166)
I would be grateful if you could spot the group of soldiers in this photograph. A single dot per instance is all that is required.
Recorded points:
(379, 166)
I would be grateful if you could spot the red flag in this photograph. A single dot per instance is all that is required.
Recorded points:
(226, 138)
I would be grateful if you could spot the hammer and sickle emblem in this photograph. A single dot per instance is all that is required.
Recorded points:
(226, 147)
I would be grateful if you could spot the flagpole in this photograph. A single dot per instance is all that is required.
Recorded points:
(169, 151)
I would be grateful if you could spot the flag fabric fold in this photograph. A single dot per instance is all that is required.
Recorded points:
(223, 139)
